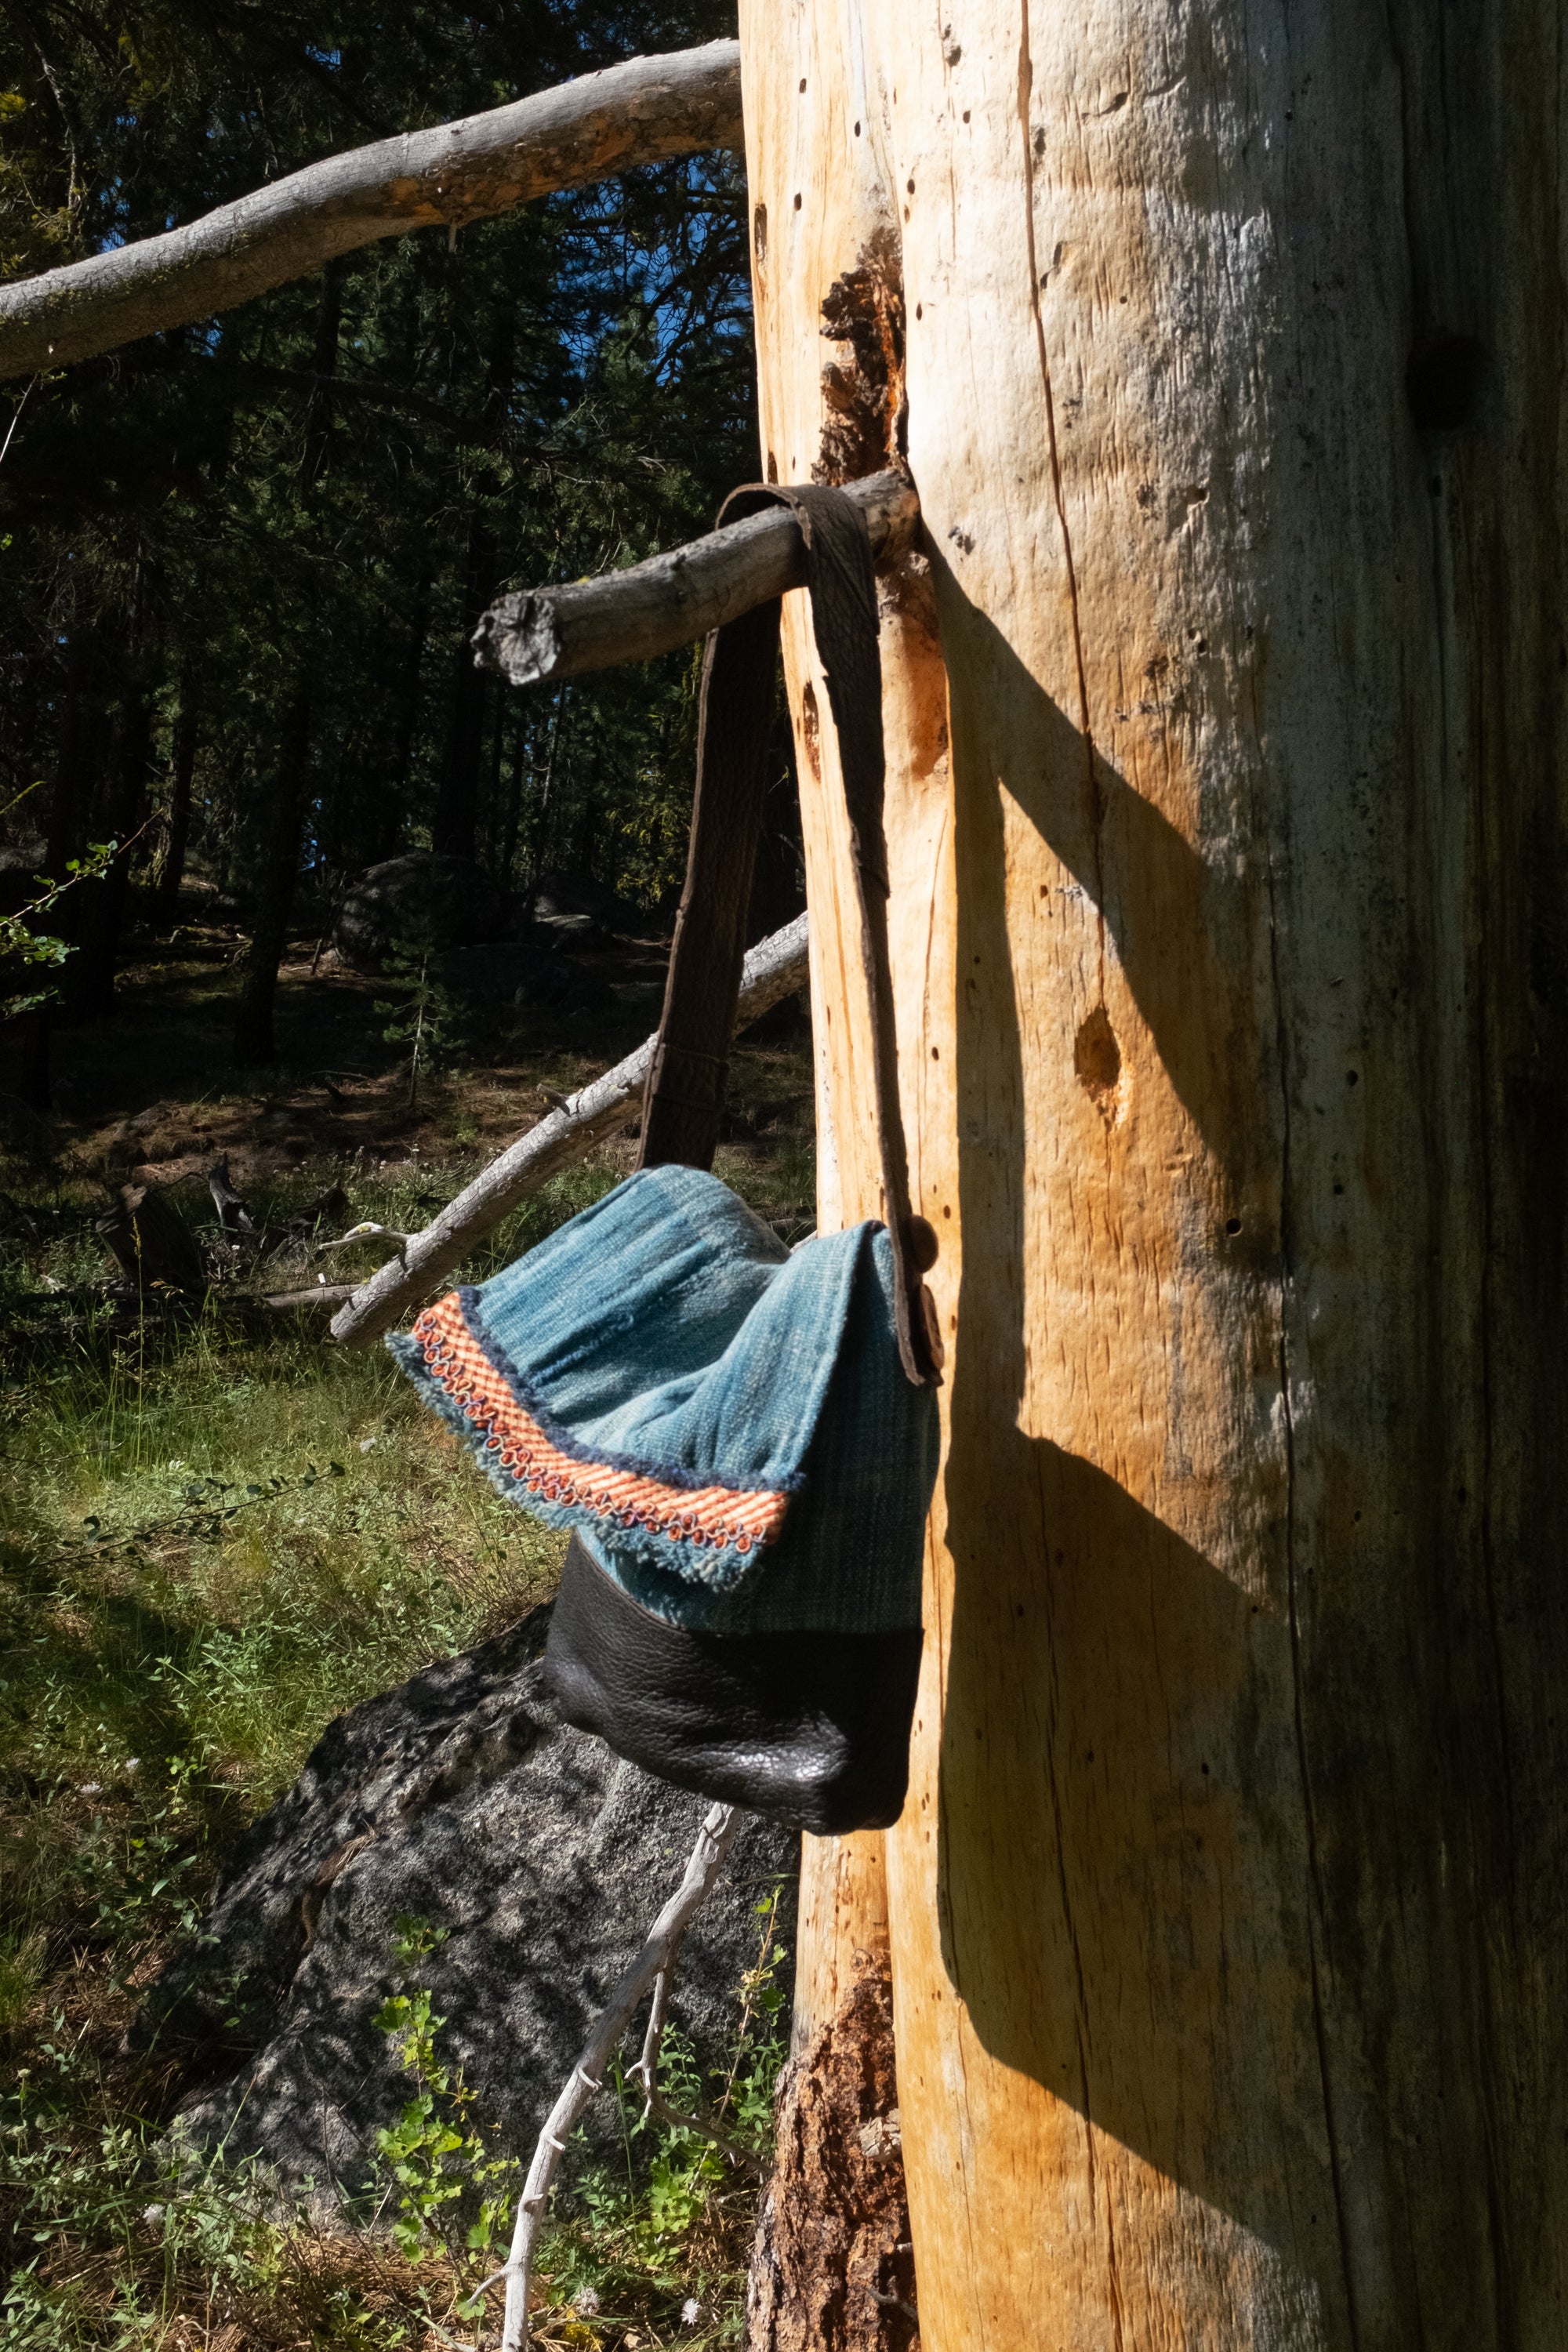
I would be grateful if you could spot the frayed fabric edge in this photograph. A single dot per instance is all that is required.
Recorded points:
(711, 1536)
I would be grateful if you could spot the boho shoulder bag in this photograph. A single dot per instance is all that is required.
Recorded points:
(740, 1438)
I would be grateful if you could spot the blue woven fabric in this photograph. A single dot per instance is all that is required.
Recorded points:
(668, 1334)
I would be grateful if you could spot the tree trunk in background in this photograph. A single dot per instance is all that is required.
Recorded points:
(88, 976)
(75, 763)
(316, 454)
(177, 823)
(78, 752)
(540, 828)
(494, 813)
(512, 817)
(1227, 1918)
(254, 1041)
(455, 828)
(393, 802)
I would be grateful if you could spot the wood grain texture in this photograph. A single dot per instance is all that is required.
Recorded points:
(460, 171)
(1229, 1950)
(832, 2266)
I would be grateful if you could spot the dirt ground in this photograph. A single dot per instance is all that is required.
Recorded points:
(154, 1093)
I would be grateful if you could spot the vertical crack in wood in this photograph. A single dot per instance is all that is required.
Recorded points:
(1096, 798)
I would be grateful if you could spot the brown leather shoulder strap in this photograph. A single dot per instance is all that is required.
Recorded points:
(685, 1084)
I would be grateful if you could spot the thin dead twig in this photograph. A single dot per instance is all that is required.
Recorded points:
(652, 1963)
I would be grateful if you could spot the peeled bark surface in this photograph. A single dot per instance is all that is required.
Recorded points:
(1226, 785)
(833, 2267)
(640, 112)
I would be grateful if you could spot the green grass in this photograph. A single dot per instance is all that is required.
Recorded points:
(217, 1532)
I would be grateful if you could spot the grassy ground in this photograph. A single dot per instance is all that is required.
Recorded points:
(215, 1532)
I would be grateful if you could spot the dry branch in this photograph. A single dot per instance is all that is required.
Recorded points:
(651, 1965)
(460, 171)
(774, 969)
(650, 608)
(645, 2074)
(325, 1293)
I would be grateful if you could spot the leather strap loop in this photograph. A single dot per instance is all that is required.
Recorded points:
(686, 1083)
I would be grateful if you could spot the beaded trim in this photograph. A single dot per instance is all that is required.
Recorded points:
(707, 1517)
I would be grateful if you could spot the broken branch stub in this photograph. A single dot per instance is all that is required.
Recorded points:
(773, 970)
(582, 130)
(672, 600)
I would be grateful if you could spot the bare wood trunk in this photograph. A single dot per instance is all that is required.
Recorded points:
(830, 409)
(1228, 1949)
(833, 2266)
(834, 2220)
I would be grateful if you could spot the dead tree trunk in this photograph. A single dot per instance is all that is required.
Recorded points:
(1226, 724)
(90, 975)
(166, 902)
(833, 2268)
(254, 1041)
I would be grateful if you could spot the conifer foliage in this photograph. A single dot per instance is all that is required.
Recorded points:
(239, 564)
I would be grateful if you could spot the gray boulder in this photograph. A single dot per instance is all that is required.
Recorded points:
(559, 896)
(448, 899)
(536, 1856)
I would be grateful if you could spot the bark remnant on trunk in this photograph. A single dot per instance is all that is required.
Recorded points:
(834, 2269)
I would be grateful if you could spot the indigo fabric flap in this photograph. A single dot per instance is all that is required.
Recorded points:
(654, 1372)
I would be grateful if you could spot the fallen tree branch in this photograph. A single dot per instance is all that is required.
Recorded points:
(773, 970)
(325, 1293)
(713, 1841)
(467, 171)
(672, 600)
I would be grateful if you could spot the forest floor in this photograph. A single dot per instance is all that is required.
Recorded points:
(216, 1531)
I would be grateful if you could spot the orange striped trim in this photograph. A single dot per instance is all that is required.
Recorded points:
(709, 1517)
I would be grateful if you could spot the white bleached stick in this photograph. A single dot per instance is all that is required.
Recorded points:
(713, 1843)
(773, 969)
